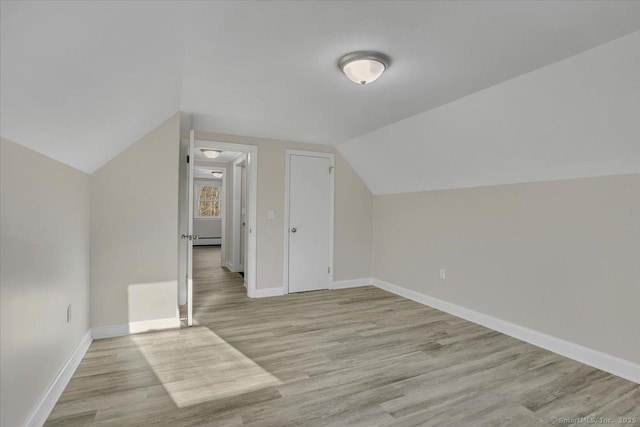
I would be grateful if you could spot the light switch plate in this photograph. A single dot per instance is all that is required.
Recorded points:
(271, 214)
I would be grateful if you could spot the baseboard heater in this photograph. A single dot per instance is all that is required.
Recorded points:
(203, 241)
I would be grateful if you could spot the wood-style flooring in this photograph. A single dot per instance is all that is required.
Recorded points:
(357, 356)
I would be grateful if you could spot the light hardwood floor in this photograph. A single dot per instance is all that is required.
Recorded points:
(346, 357)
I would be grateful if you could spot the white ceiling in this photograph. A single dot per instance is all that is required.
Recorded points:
(572, 119)
(203, 166)
(224, 157)
(81, 81)
(206, 172)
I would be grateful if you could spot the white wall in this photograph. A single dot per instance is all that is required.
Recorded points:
(353, 211)
(134, 231)
(233, 211)
(44, 267)
(353, 224)
(557, 257)
(207, 227)
(575, 118)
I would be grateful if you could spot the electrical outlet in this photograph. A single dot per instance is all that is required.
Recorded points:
(443, 274)
(69, 314)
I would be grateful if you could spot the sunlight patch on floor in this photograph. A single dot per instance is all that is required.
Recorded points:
(199, 366)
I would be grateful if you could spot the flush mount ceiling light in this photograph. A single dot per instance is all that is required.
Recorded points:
(217, 174)
(211, 154)
(364, 66)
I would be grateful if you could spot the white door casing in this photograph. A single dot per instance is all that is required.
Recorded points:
(190, 233)
(309, 219)
(243, 215)
(239, 166)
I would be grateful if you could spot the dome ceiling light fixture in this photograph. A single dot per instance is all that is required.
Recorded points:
(217, 174)
(364, 66)
(209, 153)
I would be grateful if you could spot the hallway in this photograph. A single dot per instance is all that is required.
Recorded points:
(214, 287)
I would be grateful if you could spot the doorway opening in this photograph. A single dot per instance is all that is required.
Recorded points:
(218, 183)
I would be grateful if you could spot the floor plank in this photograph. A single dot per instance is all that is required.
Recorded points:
(357, 356)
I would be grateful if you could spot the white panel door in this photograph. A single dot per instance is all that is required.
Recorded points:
(310, 222)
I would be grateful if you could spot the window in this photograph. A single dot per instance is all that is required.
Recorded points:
(207, 201)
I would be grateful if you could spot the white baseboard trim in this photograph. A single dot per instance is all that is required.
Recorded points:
(233, 268)
(606, 362)
(353, 283)
(139, 327)
(267, 292)
(48, 400)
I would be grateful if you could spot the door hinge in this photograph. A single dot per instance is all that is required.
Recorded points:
(331, 169)
(187, 158)
(328, 269)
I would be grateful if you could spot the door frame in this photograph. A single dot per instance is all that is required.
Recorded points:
(223, 205)
(287, 225)
(252, 202)
(236, 208)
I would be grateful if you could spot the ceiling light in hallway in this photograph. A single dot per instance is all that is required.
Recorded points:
(211, 154)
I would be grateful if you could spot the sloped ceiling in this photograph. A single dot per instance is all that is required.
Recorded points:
(81, 81)
(576, 118)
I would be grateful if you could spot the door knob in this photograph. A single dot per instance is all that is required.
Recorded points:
(184, 236)
(293, 230)
(196, 237)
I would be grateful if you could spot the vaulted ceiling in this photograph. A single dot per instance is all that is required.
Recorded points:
(81, 81)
